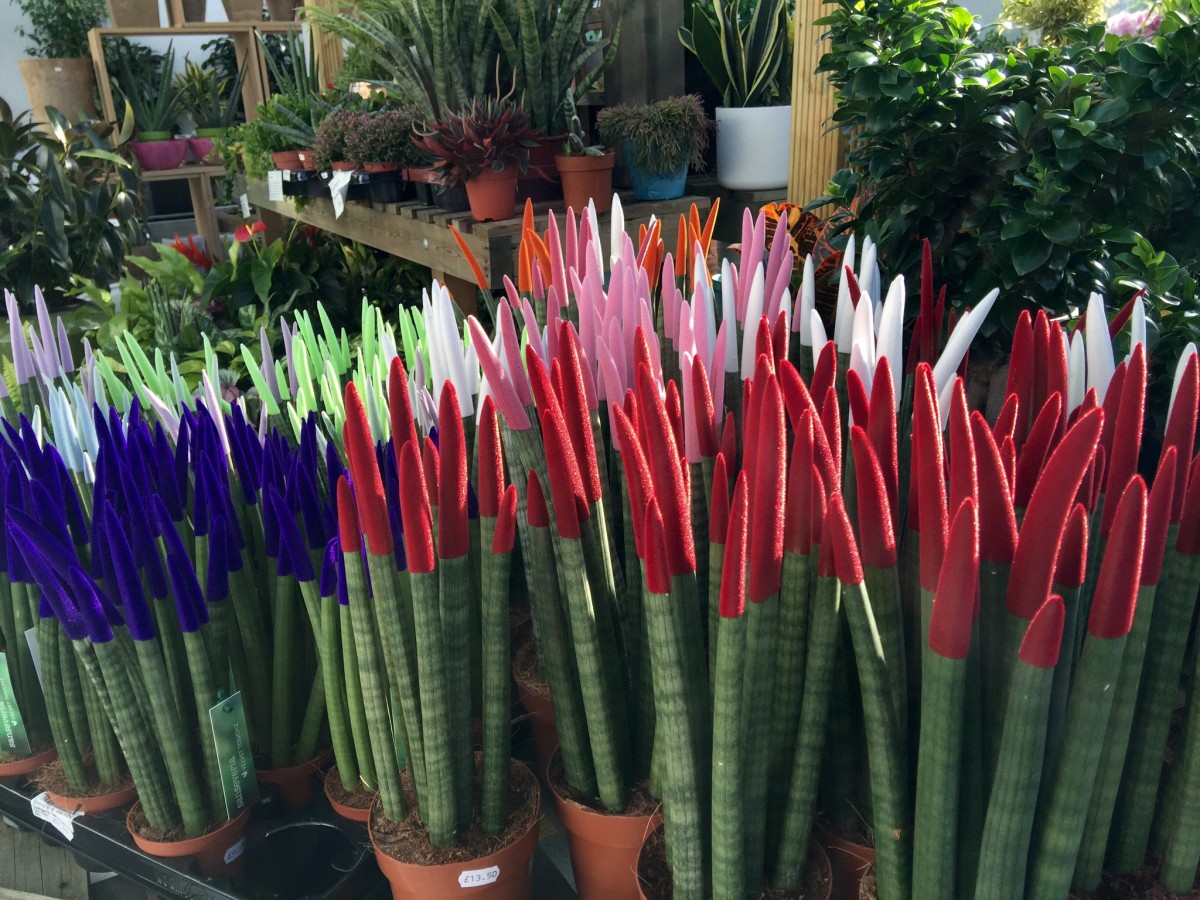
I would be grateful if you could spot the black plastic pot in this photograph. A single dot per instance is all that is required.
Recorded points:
(451, 199)
(387, 187)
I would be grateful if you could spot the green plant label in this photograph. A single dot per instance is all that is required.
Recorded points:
(231, 738)
(13, 739)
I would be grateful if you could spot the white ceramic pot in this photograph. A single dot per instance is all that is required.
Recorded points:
(753, 146)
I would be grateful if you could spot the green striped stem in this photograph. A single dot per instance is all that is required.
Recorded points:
(1005, 643)
(728, 761)
(1180, 825)
(454, 579)
(758, 700)
(334, 673)
(110, 762)
(973, 790)
(637, 645)
(475, 616)
(935, 825)
(1008, 826)
(1065, 810)
(312, 720)
(1169, 629)
(107, 670)
(607, 734)
(374, 689)
(173, 735)
(439, 806)
(794, 609)
(284, 675)
(888, 772)
(883, 587)
(716, 563)
(549, 616)
(394, 619)
(679, 730)
(811, 731)
(364, 763)
(167, 626)
(1116, 742)
(73, 690)
(699, 500)
(1060, 691)
(496, 674)
(29, 693)
(204, 686)
(247, 611)
(60, 714)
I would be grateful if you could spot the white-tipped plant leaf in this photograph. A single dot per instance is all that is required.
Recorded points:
(1100, 362)
(964, 334)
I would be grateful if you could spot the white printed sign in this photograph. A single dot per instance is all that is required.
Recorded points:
(62, 820)
(274, 185)
(470, 878)
(339, 184)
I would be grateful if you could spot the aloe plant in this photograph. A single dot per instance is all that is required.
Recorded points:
(154, 105)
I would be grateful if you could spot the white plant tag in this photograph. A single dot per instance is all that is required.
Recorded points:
(274, 185)
(63, 821)
(244, 201)
(470, 878)
(338, 185)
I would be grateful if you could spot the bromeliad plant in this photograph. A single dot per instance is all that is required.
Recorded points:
(489, 135)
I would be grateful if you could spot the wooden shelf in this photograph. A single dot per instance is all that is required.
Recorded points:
(200, 29)
(188, 171)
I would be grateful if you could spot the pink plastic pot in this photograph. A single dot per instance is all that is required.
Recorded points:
(154, 156)
(202, 149)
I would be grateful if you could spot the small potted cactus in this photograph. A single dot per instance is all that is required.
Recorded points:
(586, 171)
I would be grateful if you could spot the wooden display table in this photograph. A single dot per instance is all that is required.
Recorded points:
(199, 179)
(419, 233)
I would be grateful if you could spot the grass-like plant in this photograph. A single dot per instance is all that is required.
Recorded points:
(665, 136)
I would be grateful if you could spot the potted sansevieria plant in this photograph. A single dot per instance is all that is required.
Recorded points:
(746, 49)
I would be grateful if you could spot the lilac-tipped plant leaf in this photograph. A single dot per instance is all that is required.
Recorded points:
(54, 592)
(92, 613)
(216, 587)
(291, 542)
(329, 567)
(128, 584)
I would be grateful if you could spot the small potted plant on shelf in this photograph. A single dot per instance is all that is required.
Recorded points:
(660, 142)
(586, 171)
(59, 70)
(381, 145)
(212, 102)
(483, 148)
(155, 107)
(746, 50)
(332, 137)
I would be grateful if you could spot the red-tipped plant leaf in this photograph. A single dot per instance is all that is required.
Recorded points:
(658, 576)
(857, 395)
(1006, 422)
(404, 428)
(637, 476)
(874, 514)
(575, 409)
(665, 470)
(1070, 569)
(954, 601)
(364, 471)
(349, 535)
(1188, 541)
(881, 428)
(1181, 430)
(766, 534)
(432, 463)
(845, 550)
(1037, 448)
(733, 571)
(1021, 378)
(505, 536)
(1158, 519)
(491, 461)
(963, 470)
(1043, 637)
(453, 533)
(929, 464)
(1120, 570)
(825, 371)
(997, 520)
(702, 410)
(798, 530)
(1127, 439)
(415, 513)
(718, 502)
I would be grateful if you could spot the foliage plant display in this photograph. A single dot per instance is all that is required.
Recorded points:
(665, 136)
(745, 48)
(1051, 18)
(60, 30)
(155, 104)
(543, 46)
(283, 123)
(384, 137)
(212, 101)
(333, 136)
(68, 204)
(1049, 171)
(489, 135)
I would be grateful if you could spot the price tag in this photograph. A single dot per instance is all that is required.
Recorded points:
(13, 739)
(338, 185)
(274, 185)
(244, 201)
(235, 763)
(34, 651)
(470, 878)
(63, 821)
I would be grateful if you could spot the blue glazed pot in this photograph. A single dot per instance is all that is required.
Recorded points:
(647, 186)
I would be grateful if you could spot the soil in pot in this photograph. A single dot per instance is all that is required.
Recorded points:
(587, 178)
(97, 799)
(219, 851)
(655, 883)
(493, 195)
(419, 871)
(354, 805)
(604, 846)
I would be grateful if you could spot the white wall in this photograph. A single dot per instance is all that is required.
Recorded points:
(987, 11)
(12, 86)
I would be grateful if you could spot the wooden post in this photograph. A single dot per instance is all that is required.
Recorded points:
(816, 155)
(649, 63)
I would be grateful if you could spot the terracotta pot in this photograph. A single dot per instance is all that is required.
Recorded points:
(343, 166)
(65, 84)
(379, 168)
(287, 160)
(540, 708)
(587, 178)
(194, 10)
(155, 156)
(604, 848)
(308, 159)
(493, 195)
(294, 783)
(542, 158)
(219, 852)
(16, 769)
(282, 10)
(134, 13)
(352, 813)
(847, 859)
(510, 868)
(96, 804)
(243, 10)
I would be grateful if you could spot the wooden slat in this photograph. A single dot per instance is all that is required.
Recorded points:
(188, 171)
(815, 154)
